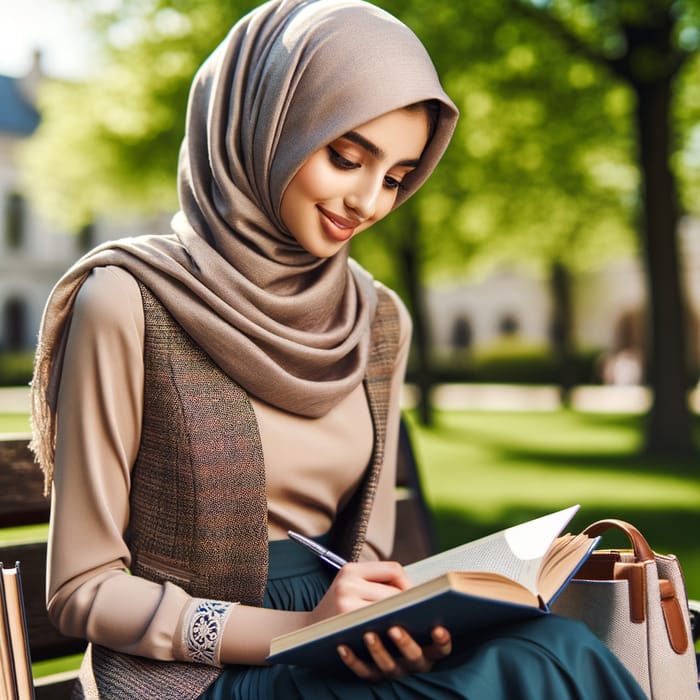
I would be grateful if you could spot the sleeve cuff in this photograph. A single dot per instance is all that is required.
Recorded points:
(202, 630)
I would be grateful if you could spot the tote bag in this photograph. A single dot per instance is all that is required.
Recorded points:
(635, 601)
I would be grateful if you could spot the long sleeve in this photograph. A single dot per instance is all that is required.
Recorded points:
(90, 591)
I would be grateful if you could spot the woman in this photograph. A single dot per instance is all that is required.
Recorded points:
(212, 388)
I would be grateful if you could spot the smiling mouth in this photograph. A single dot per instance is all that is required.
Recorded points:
(340, 228)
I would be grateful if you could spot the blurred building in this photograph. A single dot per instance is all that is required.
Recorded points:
(511, 306)
(33, 252)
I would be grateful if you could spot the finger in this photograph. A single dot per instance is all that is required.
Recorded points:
(357, 666)
(387, 572)
(352, 590)
(414, 659)
(384, 661)
(441, 646)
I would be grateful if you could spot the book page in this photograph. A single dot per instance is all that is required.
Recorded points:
(564, 558)
(516, 552)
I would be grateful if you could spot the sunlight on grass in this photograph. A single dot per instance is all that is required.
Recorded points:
(24, 534)
(14, 423)
(489, 462)
(483, 471)
(51, 666)
(553, 487)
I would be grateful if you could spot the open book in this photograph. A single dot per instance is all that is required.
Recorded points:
(507, 576)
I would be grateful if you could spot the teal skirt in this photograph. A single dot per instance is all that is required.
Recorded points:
(546, 658)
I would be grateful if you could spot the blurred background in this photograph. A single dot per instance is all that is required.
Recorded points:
(551, 265)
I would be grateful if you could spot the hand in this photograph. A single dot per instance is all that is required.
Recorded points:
(360, 583)
(413, 659)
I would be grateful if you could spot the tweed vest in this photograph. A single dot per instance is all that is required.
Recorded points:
(198, 507)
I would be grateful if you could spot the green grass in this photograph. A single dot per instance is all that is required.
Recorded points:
(14, 423)
(60, 665)
(483, 471)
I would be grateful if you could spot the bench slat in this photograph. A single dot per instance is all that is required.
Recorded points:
(22, 500)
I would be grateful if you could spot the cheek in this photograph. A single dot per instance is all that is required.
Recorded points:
(386, 203)
(314, 178)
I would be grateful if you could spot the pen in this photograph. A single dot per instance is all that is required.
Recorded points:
(329, 557)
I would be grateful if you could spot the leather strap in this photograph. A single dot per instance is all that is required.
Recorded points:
(673, 617)
(637, 578)
(642, 550)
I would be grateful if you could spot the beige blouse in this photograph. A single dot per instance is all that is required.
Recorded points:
(312, 467)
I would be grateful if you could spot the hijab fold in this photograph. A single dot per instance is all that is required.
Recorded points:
(290, 328)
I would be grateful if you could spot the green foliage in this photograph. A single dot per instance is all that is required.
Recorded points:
(16, 368)
(686, 161)
(514, 362)
(543, 164)
(111, 144)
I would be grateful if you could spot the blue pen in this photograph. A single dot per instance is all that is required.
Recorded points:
(329, 557)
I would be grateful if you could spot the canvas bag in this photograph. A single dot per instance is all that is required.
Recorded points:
(635, 601)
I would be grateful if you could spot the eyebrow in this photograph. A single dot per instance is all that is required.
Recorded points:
(374, 150)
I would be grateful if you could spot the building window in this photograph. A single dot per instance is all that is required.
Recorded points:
(461, 336)
(15, 324)
(86, 237)
(508, 325)
(15, 220)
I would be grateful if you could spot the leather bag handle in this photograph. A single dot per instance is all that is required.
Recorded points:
(670, 605)
(642, 550)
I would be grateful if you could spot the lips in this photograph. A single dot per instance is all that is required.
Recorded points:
(337, 227)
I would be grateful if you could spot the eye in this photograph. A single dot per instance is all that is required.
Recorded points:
(391, 183)
(341, 162)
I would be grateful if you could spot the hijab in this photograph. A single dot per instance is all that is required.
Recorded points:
(290, 328)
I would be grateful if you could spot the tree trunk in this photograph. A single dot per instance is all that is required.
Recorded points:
(560, 286)
(668, 430)
(410, 269)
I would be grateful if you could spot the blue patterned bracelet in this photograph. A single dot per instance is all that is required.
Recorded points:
(203, 634)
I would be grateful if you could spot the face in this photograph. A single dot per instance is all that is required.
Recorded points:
(350, 184)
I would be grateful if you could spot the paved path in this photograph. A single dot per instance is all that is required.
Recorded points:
(490, 397)
(14, 399)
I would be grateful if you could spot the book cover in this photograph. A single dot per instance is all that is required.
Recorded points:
(508, 576)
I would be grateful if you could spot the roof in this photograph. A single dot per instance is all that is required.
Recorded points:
(17, 115)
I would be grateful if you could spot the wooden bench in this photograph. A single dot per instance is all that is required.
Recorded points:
(22, 503)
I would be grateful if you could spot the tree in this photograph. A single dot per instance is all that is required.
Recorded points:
(645, 45)
(111, 143)
(578, 120)
(641, 47)
(539, 169)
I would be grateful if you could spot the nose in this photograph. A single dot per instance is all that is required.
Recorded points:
(364, 196)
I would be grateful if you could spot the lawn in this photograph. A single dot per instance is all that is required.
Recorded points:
(483, 471)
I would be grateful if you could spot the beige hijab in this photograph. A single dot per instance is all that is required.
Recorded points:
(290, 328)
